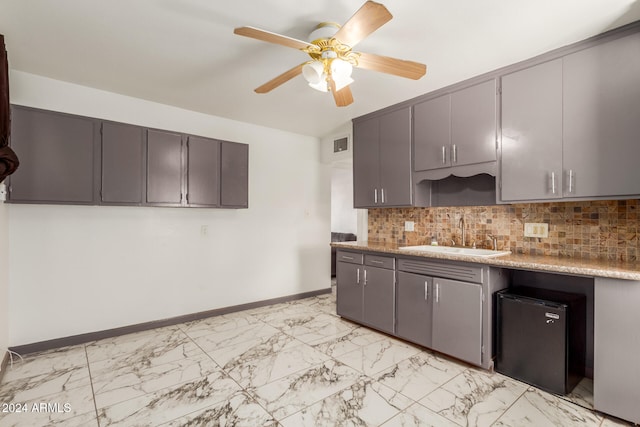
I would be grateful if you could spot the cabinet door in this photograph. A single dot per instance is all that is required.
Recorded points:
(432, 133)
(379, 291)
(122, 163)
(473, 124)
(56, 153)
(366, 163)
(616, 371)
(203, 171)
(395, 158)
(413, 307)
(457, 319)
(164, 167)
(349, 279)
(531, 165)
(234, 175)
(601, 89)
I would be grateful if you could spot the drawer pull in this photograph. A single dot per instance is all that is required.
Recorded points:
(347, 257)
(375, 261)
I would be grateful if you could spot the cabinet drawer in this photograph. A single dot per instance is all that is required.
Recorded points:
(352, 257)
(380, 261)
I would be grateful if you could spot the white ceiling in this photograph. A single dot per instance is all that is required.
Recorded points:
(184, 52)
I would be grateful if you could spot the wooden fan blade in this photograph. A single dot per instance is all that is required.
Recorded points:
(267, 36)
(282, 78)
(343, 97)
(365, 21)
(397, 67)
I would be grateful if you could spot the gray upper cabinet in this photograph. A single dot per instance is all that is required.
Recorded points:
(601, 94)
(365, 163)
(57, 156)
(473, 124)
(164, 168)
(382, 160)
(70, 159)
(122, 164)
(234, 175)
(457, 319)
(203, 172)
(531, 164)
(456, 129)
(432, 133)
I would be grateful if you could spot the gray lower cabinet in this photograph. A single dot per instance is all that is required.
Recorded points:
(366, 293)
(234, 174)
(616, 371)
(414, 302)
(531, 164)
(203, 172)
(122, 164)
(349, 290)
(382, 160)
(456, 129)
(601, 117)
(164, 168)
(457, 319)
(57, 155)
(378, 298)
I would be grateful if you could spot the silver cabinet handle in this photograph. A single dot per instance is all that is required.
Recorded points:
(426, 290)
(570, 180)
(358, 276)
(444, 155)
(553, 183)
(375, 195)
(437, 292)
(365, 277)
(375, 261)
(454, 154)
(382, 194)
(347, 257)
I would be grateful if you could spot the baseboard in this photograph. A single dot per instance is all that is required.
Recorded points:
(110, 333)
(4, 364)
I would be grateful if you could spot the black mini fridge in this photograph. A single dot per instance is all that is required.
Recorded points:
(541, 337)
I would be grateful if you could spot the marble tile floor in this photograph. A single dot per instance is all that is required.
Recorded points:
(293, 364)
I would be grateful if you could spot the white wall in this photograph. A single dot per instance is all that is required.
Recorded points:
(4, 279)
(344, 218)
(76, 269)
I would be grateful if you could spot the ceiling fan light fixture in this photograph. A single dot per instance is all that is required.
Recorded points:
(313, 72)
(322, 86)
(342, 82)
(324, 30)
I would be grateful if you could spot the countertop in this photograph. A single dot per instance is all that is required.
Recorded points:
(575, 266)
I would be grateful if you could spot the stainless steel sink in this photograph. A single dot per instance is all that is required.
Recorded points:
(453, 250)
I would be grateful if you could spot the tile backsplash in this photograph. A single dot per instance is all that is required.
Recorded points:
(596, 229)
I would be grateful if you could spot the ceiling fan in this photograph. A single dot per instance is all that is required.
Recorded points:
(332, 58)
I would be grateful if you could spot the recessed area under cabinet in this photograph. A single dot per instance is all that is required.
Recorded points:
(68, 159)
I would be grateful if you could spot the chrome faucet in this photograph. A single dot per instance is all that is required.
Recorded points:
(461, 225)
(494, 241)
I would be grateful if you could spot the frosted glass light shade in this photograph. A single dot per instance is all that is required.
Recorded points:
(313, 72)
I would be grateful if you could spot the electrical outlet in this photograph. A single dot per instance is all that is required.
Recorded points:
(536, 229)
(408, 225)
